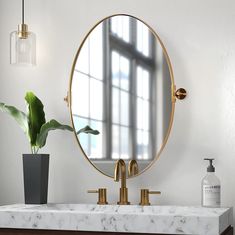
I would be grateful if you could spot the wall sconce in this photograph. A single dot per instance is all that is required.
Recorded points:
(23, 45)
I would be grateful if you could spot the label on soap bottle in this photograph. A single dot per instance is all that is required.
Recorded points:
(211, 195)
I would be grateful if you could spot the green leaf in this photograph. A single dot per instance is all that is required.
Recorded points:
(51, 125)
(36, 116)
(88, 130)
(19, 116)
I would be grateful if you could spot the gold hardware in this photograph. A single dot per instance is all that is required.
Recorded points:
(102, 192)
(23, 31)
(173, 98)
(144, 196)
(181, 93)
(123, 198)
(66, 99)
(157, 37)
(133, 168)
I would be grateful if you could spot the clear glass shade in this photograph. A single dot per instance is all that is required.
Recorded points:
(23, 50)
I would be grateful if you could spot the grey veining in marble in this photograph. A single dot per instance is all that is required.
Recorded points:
(114, 218)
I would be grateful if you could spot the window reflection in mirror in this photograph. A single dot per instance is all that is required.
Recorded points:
(115, 90)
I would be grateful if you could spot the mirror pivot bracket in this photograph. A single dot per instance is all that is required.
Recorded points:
(180, 94)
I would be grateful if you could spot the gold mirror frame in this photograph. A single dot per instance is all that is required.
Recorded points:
(173, 94)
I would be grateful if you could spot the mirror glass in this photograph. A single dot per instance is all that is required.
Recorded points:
(121, 86)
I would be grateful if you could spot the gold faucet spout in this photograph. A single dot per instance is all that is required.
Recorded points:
(133, 168)
(121, 166)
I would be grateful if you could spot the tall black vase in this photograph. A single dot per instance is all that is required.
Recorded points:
(35, 168)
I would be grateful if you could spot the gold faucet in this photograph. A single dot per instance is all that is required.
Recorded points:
(120, 165)
(133, 168)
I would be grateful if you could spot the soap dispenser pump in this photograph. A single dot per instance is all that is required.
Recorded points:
(210, 187)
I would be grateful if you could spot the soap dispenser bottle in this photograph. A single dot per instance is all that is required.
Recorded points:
(210, 187)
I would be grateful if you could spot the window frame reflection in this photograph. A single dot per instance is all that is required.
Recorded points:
(127, 49)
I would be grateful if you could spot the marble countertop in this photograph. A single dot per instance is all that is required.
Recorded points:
(115, 218)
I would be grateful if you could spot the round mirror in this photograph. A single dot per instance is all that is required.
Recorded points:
(121, 85)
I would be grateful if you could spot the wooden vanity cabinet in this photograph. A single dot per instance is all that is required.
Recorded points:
(228, 231)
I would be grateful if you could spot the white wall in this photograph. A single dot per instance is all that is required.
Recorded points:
(200, 38)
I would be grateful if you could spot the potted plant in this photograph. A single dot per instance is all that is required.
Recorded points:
(35, 127)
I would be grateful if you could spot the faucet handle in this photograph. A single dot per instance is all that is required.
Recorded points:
(102, 192)
(144, 196)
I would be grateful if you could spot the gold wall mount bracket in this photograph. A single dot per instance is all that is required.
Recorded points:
(180, 93)
(66, 99)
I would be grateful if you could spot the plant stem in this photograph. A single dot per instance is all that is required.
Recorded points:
(34, 149)
(31, 149)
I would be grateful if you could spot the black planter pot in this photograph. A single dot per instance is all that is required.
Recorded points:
(35, 168)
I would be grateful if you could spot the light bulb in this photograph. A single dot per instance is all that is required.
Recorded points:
(23, 46)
